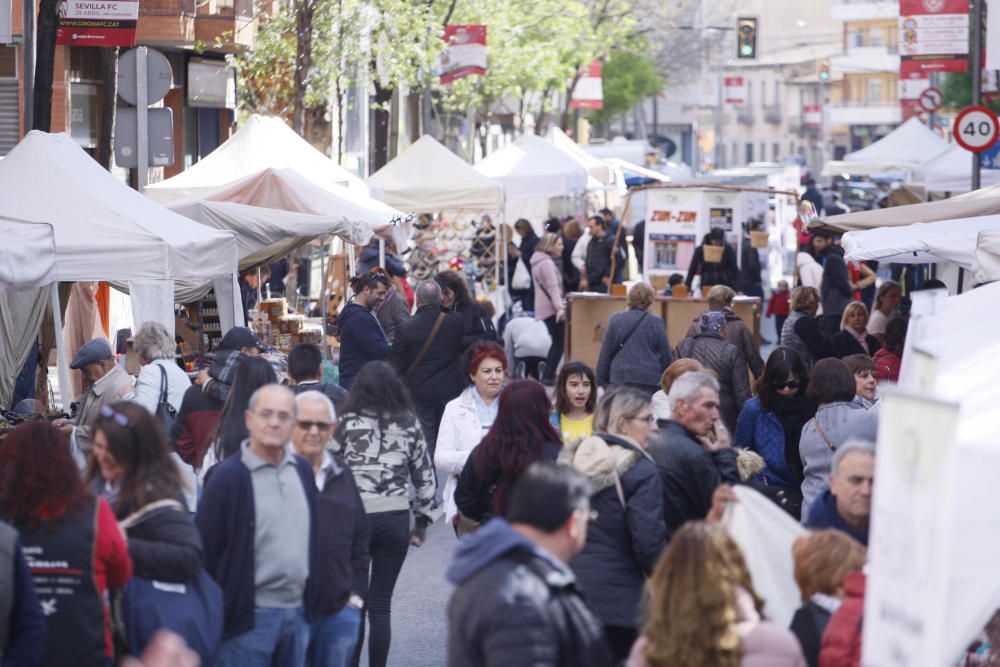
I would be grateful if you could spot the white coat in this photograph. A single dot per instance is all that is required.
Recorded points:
(460, 431)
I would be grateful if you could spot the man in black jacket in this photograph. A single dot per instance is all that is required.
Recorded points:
(341, 534)
(305, 368)
(516, 601)
(362, 338)
(433, 377)
(693, 460)
(835, 289)
(597, 265)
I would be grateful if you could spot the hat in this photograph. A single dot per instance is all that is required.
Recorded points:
(91, 353)
(238, 338)
(711, 321)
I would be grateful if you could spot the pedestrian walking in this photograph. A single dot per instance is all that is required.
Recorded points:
(778, 307)
(720, 300)
(550, 304)
(835, 289)
(865, 383)
(625, 539)
(662, 408)
(526, 342)
(704, 610)
(455, 298)
(76, 551)
(426, 354)
(516, 601)
(887, 301)
(380, 439)
(575, 401)
(801, 330)
(889, 359)
(394, 309)
(22, 624)
(597, 251)
(257, 520)
(305, 369)
(635, 349)
(722, 271)
(853, 338)
(847, 504)
(710, 349)
(341, 536)
(362, 338)
(521, 435)
(468, 418)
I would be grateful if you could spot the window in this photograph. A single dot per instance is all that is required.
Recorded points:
(763, 94)
(776, 152)
(777, 93)
(736, 154)
(749, 153)
(874, 90)
(8, 62)
(763, 151)
(875, 35)
(855, 37)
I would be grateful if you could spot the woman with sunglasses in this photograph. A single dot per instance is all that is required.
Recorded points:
(627, 531)
(77, 550)
(771, 424)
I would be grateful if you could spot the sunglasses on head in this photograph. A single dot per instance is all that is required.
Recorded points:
(794, 384)
(116, 417)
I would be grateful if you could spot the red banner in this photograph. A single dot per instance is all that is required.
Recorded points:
(589, 91)
(97, 22)
(734, 91)
(933, 35)
(465, 54)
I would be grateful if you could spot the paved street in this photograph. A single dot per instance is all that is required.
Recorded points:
(419, 606)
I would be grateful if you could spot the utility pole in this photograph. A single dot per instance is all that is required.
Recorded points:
(28, 60)
(976, 65)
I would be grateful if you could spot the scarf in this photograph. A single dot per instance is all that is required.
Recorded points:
(793, 412)
(862, 339)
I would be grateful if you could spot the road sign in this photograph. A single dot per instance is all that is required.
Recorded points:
(931, 99)
(159, 76)
(976, 129)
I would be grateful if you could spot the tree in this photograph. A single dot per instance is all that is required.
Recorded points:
(628, 78)
(957, 91)
(45, 46)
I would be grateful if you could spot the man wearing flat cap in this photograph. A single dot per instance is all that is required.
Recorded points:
(106, 383)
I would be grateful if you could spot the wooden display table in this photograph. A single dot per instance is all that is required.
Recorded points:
(587, 317)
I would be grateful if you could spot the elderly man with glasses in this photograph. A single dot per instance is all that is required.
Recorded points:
(342, 535)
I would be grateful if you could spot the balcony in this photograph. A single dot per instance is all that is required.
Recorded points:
(772, 114)
(864, 10)
(860, 113)
(166, 22)
(744, 115)
(227, 24)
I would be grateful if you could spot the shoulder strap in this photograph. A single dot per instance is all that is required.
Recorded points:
(138, 517)
(627, 336)
(163, 385)
(823, 435)
(427, 343)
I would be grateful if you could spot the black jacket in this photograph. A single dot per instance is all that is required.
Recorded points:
(597, 264)
(750, 278)
(808, 625)
(478, 325)
(474, 495)
(835, 290)
(334, 392)
(690, 474)
(342, 540)
(166, 546)
(725, 272)
(623, 543)
(845, 344)
(437, 378)
(514, 606)
(361, 340)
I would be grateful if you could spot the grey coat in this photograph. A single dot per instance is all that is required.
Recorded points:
(729, 365)
(644, 355)
(840, 422)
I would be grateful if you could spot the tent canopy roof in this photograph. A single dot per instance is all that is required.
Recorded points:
(944, 241)
(907, 147)
(951, 171)
(28, 255)
(427, 177)
(986, 263)
(261, 142)
(103, 229)
(970, 205)
(533, 167)
(595, 166)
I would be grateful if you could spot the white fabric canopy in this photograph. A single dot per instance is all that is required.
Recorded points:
(642, 172)
(946, 241)
(356, 215)
(27, 255)
(986, 263)
(905, 148)
(260, 143)
(985, 201)
(533, 167)
(951, 171)
(427, 177)
(595, 166)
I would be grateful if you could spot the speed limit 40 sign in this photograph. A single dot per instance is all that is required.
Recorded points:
(976, 129)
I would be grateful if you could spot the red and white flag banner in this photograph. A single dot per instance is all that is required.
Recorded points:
(465, 53)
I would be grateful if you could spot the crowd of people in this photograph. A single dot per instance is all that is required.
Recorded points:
(267, 523)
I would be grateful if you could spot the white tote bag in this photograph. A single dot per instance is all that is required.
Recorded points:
(522, 277)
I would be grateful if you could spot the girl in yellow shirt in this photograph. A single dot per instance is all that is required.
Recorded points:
(576, 396)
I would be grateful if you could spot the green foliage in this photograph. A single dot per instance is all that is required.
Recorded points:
(628, 78)
(957, 91)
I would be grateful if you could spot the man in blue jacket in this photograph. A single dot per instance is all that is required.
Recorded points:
(847, 504)
(361, 336)
(258, 527)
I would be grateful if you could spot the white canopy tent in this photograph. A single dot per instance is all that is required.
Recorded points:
(985, 201)
(904, 149)
(104, 230)
(262, 142)
(946, 241)
(951, 171)
(597, 168)
(427, 178)
(532, 171)
(351, 216)
(986, 263)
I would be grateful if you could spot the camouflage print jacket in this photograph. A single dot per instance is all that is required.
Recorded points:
(384, 452)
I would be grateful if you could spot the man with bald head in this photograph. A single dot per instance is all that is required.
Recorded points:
(257, 523)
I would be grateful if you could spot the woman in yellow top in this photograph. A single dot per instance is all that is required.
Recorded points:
(576, 396)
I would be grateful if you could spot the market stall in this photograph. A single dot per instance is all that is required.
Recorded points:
(986, 263)
(904, 149)
(985, 201)
(951, 171)
(921, 243)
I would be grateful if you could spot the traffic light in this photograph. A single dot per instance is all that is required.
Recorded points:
(746, 38)
(823, 70)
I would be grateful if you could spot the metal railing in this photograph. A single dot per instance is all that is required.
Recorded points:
(772, 114)
(744, 115)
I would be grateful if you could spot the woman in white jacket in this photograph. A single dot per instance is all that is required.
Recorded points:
(467, 418)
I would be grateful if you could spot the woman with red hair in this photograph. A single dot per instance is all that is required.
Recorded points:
(469, 417)
(76, 552)
(522, 434)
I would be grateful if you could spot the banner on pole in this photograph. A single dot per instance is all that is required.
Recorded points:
(734, 90)
(992, 35)
(465, 53)
(933, 35)
(589, 91)
(97, 22)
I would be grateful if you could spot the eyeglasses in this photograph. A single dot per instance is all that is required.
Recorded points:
(650, 419)
(308, 425)
(117, 417)
(794, 384)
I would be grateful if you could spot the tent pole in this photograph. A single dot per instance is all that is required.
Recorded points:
(64, 383)
(381, 253)
(961, 278)
(323, 296)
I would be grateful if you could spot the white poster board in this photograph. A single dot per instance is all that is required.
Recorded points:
(910, 542)
(673, 230)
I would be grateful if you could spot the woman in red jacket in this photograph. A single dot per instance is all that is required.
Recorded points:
(841, 645)
(889, 359)
(71, 540)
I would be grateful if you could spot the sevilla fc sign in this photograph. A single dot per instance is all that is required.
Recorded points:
(97, 22)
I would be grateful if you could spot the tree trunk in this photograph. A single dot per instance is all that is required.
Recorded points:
(45, 46)
(109, 95)
(569, 101)
(380, 115)
(304, 12)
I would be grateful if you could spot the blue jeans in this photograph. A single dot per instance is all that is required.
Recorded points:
(334, 638)
(279, 639)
